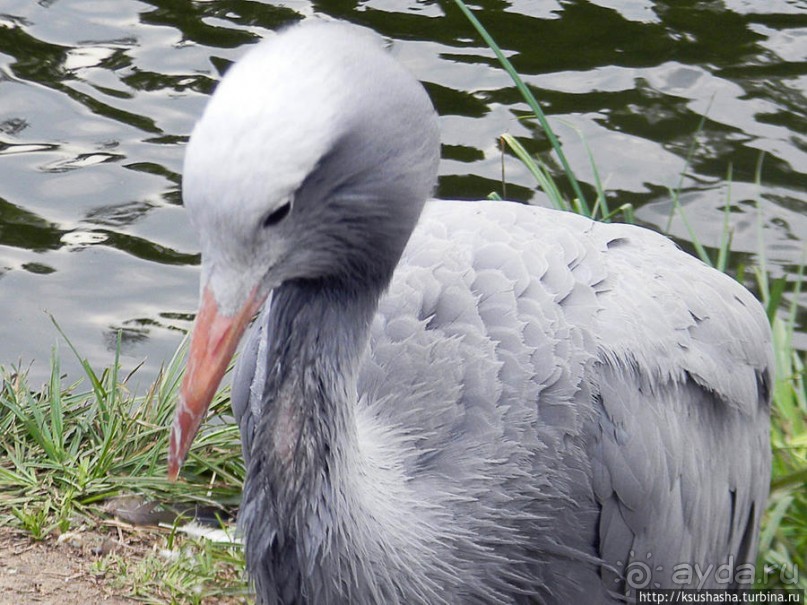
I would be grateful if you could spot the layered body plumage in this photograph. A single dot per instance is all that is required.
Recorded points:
(509, 405)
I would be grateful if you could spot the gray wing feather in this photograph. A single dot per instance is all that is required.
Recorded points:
(681, 452)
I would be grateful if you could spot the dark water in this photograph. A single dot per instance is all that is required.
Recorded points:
(97, 99)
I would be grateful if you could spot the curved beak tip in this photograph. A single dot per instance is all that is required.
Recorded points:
(187, 420)
(175, 460)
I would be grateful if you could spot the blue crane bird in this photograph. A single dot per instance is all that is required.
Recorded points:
(453, 402)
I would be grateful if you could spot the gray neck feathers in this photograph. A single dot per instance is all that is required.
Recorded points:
(305, 441)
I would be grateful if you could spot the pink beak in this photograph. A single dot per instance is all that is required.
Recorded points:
(213, 342)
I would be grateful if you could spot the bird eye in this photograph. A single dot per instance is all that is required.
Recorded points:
(277, 215)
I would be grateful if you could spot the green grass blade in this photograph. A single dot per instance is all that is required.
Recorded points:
(675, 192)
(727, 235)
(56, 411)
(526, 93)
(774, 521)
(542, 176)
(693, 237)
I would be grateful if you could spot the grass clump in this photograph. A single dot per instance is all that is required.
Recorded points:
(67, 453)
(180, 570)
(65, 450)
(783, 540)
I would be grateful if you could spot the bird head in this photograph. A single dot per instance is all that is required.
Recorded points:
(312, 160)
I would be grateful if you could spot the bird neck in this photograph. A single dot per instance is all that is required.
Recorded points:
(319, 330)
(305, 442)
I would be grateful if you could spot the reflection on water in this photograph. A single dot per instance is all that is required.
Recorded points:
(97, 100)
